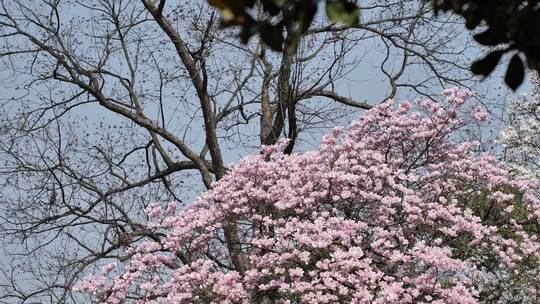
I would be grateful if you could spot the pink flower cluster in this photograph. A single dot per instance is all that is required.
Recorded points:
(392, 211)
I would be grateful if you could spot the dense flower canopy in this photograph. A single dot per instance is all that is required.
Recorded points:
(521, 138)
(391, 211)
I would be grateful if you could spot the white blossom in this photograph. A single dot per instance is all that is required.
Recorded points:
(521, 137)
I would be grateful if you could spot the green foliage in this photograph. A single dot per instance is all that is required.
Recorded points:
(492, 214)
(343, 12)
(510, 26)
(270, 19)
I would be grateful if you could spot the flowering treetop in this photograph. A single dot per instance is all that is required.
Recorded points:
(392, 211)
(521, 138)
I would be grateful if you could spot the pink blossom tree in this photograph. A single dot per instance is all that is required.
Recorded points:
(392, 211)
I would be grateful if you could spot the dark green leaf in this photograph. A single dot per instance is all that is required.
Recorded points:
(272, 36)
(343, 11)
(490, 37)
(271, 6)
(308, 11)
(515, 73)
(472, 19)
(247, 32)
(532, 59)
(486, 65)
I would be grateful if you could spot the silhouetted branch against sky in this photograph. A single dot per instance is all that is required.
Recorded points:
(511, 27)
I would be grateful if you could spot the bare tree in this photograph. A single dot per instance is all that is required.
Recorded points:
(111, 104)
